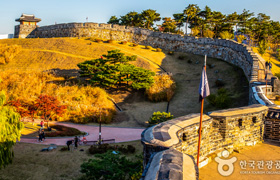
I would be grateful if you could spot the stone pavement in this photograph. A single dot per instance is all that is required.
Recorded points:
(260, 162)
(117, 133)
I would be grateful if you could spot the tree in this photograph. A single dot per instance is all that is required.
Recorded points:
(114, 70)
(114, 20)
(169, 25)
(159, 117)
(10, 128)
(20, 107)
(132, 19)
(150, 16)
(263, 45)
(243, 19)
(49, 107)
(190, 12)
(179, 19)
(110, 166)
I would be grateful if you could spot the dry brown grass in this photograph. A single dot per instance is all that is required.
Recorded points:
(163, 88)
(30, 163)
(8, 52)
(65, 53)
(83, 101)
(22, 77)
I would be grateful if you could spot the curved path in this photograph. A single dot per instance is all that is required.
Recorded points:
(117, 133)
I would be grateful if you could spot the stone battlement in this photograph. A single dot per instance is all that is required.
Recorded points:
(227, 129)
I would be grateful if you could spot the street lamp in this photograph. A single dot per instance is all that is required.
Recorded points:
(99, 142)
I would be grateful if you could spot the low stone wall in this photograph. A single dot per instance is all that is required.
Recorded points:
(227, 129)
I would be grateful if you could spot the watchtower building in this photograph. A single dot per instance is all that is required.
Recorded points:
(28, 23)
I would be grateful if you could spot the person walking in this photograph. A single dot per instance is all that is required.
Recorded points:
(40, 135)
(43, 135)
(76, 140)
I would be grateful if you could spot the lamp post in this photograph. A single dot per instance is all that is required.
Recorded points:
(99, 142)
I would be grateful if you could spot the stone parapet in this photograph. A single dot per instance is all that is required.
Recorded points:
(226, 129)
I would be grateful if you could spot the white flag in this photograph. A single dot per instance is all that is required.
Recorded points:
(203, 86)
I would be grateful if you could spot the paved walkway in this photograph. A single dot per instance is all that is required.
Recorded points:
(117, 133)
(260, 162)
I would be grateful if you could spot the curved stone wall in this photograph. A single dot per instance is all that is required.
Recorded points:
(166, 145)
(227, 50)
(226, 129)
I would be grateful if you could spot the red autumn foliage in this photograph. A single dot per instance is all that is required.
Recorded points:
(48, 107)
(20, 106)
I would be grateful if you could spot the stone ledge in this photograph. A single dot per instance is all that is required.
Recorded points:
(239, 111)
(165, 134)
(171, 164)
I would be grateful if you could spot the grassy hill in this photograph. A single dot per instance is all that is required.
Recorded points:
(22, 77)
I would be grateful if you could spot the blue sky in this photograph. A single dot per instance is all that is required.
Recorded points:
(64, 11)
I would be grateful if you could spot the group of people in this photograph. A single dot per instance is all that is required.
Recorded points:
(41, 135)
(73, 142)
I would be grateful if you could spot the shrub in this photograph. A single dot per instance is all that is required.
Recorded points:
(124, 42)
(163, 88)
(208, 33)
(240, 38)
(170, 53)
(220, 100)
(148, 47)
(134, 44)
(158, 50)
(189, 61)
(159, 117)
(98, 40)
(219, 83)
(195, 31)
(111, 41)
(226, 35)
(110, 166)
(182, 57)
(263, 45)
(103, 148)
(63, 131)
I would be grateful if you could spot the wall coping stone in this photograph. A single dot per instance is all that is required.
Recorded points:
(239, 111)
(172, 164)
(165, 134)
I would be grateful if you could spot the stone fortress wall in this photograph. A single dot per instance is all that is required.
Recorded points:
(227, 50)
(170, 147)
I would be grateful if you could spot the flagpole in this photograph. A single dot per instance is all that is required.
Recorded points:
(200, 124)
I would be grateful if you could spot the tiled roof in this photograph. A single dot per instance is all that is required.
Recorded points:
(29, 18)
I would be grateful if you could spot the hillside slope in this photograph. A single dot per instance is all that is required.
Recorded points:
(22, 79)
(66, 53)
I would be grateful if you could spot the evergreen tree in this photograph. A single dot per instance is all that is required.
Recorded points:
(114, 20)
(169, 25)
(149, 17)
(114, 71)
(10, 128)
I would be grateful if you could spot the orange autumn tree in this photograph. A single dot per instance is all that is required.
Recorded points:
(25, 109)
(49, 107)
